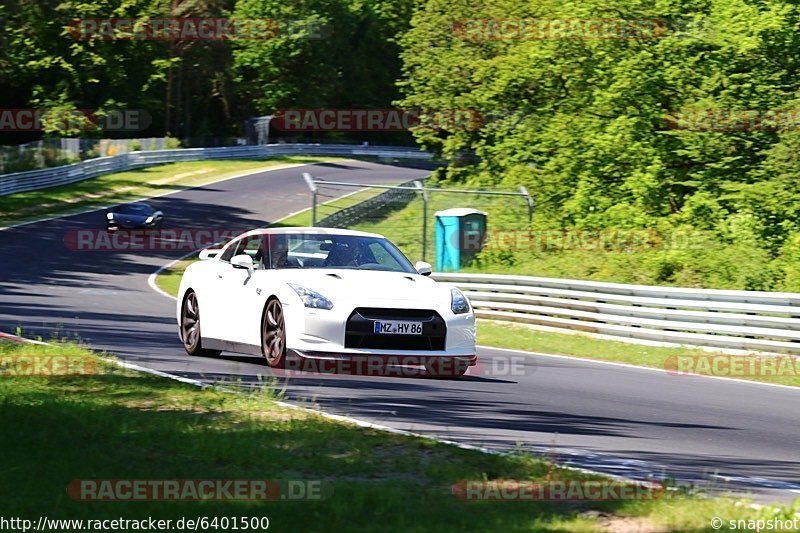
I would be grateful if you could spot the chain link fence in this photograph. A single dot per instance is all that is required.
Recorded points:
(405, 212)
(343, 216)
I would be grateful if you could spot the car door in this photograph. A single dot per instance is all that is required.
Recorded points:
(242, 317)
(215, 300)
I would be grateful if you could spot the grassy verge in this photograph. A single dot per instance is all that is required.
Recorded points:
(169, 280)
(115, 424)
(522, 337)
(127, 186)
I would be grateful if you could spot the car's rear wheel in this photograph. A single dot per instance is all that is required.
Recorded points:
(273, 334)
(446, 368)
(190, 327)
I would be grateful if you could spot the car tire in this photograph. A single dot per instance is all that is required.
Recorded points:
(190, 327)
(443, 368)
(273, 334)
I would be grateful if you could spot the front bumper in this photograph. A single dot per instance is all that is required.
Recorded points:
(347, 331)
(400, 359)
(360, 332)
(114, 225)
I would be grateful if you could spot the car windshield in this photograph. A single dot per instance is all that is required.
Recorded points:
(358, 252)
(134, 209)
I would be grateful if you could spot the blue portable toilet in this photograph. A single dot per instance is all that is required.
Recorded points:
(460, 234)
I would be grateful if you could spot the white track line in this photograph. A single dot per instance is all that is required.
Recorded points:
(637, 367)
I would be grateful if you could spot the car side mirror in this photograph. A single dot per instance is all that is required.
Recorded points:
(423, 268)
(243, 261)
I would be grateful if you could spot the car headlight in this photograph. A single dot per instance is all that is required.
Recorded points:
(110, 216)
(458, 302)
(311, 298)
(149, 220)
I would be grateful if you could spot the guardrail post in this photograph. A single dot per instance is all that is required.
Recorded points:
(313, 187)
(418, 185)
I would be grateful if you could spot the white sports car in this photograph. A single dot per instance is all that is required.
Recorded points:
(323, 294)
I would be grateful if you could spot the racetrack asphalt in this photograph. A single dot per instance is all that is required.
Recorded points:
(616, 419)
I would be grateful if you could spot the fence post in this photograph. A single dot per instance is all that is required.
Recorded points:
(524, 191)
(418, 185)
(313, 187)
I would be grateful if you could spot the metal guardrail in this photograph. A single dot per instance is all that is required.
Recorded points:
(52, 177)
(354, 214)
(745, 320)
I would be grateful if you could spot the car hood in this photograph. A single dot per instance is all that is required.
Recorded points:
(363, 286)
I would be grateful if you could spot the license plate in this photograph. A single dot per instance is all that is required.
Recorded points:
(396, 327)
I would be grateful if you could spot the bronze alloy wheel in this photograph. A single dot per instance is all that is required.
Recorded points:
(273, 334)
(190, 327)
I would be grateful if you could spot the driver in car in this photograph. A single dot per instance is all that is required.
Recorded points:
(346, 255)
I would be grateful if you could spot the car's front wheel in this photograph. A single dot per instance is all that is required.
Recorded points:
(273, 334)
(190, 327)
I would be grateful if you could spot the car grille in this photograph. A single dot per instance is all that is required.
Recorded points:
(359, 331)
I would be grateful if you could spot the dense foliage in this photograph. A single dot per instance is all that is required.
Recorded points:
(200, 88)
(594, 125)
(588, 124)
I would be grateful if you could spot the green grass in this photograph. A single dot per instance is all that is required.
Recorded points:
(169, 280)
(324, 208)
(522, 337)
(127, 186)
(116, 424)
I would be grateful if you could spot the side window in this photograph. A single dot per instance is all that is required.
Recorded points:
(253, 247)
(230, 251)
(278, 256)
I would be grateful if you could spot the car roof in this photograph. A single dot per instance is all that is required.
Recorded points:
(311, 231)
